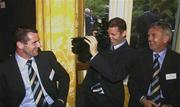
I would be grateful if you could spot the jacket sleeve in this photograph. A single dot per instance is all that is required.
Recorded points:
(113, 72)
(1, 89)
(1, 97)
(135, 89)
(114, 68)
(62, 79)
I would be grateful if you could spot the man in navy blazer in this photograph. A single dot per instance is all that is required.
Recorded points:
(169, 76)
(103, 84)
(15, 88)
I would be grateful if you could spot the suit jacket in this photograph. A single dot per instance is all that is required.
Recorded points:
(140, 78)
(12, 89)
(102, 77)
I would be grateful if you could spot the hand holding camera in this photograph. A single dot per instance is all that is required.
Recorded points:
(91, 40)
(81, 48)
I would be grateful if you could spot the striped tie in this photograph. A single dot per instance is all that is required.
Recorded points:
(35, 86)
(155, 85)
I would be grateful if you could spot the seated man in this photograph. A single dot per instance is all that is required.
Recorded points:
(155, 81)
(29, 77)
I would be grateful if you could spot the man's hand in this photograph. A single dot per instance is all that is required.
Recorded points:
(166, 105)
(91, 40)
(149, 103)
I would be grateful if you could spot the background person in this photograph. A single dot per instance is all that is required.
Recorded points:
(89, 21)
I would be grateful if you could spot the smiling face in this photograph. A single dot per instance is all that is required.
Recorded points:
(157, 38)
(115, 35)
(30, 48)
(33, 45)
(117, 30)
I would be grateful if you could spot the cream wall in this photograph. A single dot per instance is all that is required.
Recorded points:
(176, 40)
(122, 9)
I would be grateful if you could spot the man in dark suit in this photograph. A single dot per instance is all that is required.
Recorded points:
(160, 76)
(101, 86)
(47, 86)
(89, 21)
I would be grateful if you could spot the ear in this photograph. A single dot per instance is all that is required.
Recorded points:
(124, 33)
(166, 39)
(20, 45)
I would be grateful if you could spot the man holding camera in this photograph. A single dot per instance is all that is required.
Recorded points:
(103, 84)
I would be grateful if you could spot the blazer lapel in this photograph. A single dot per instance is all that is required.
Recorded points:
(149, 64)
(18, 79)
(43, 67)
(41, 70)
(165, 63)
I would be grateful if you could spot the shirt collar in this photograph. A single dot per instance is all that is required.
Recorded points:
(119, 45)
(21, 60)
(161, 54)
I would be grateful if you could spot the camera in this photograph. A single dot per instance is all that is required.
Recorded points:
(81, 48)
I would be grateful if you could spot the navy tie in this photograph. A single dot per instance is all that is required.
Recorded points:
(35, 86)
(155, 85)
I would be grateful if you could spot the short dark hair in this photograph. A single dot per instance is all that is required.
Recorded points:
(21, 33)
(164, 26)
(118, 22)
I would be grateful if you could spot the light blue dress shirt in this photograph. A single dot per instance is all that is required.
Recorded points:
(160, 59)
(28, 100)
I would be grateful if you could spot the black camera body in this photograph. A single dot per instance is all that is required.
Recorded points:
(81, 48)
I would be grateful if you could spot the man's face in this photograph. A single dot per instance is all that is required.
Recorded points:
(157, 39)
(31, 47)
(115, 35)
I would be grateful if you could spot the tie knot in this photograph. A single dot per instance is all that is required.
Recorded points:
(156, 56)
(29, 62)
(112, 48)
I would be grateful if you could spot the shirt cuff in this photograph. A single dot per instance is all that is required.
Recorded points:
(93, 56)
(62, 101)
(142, 99)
